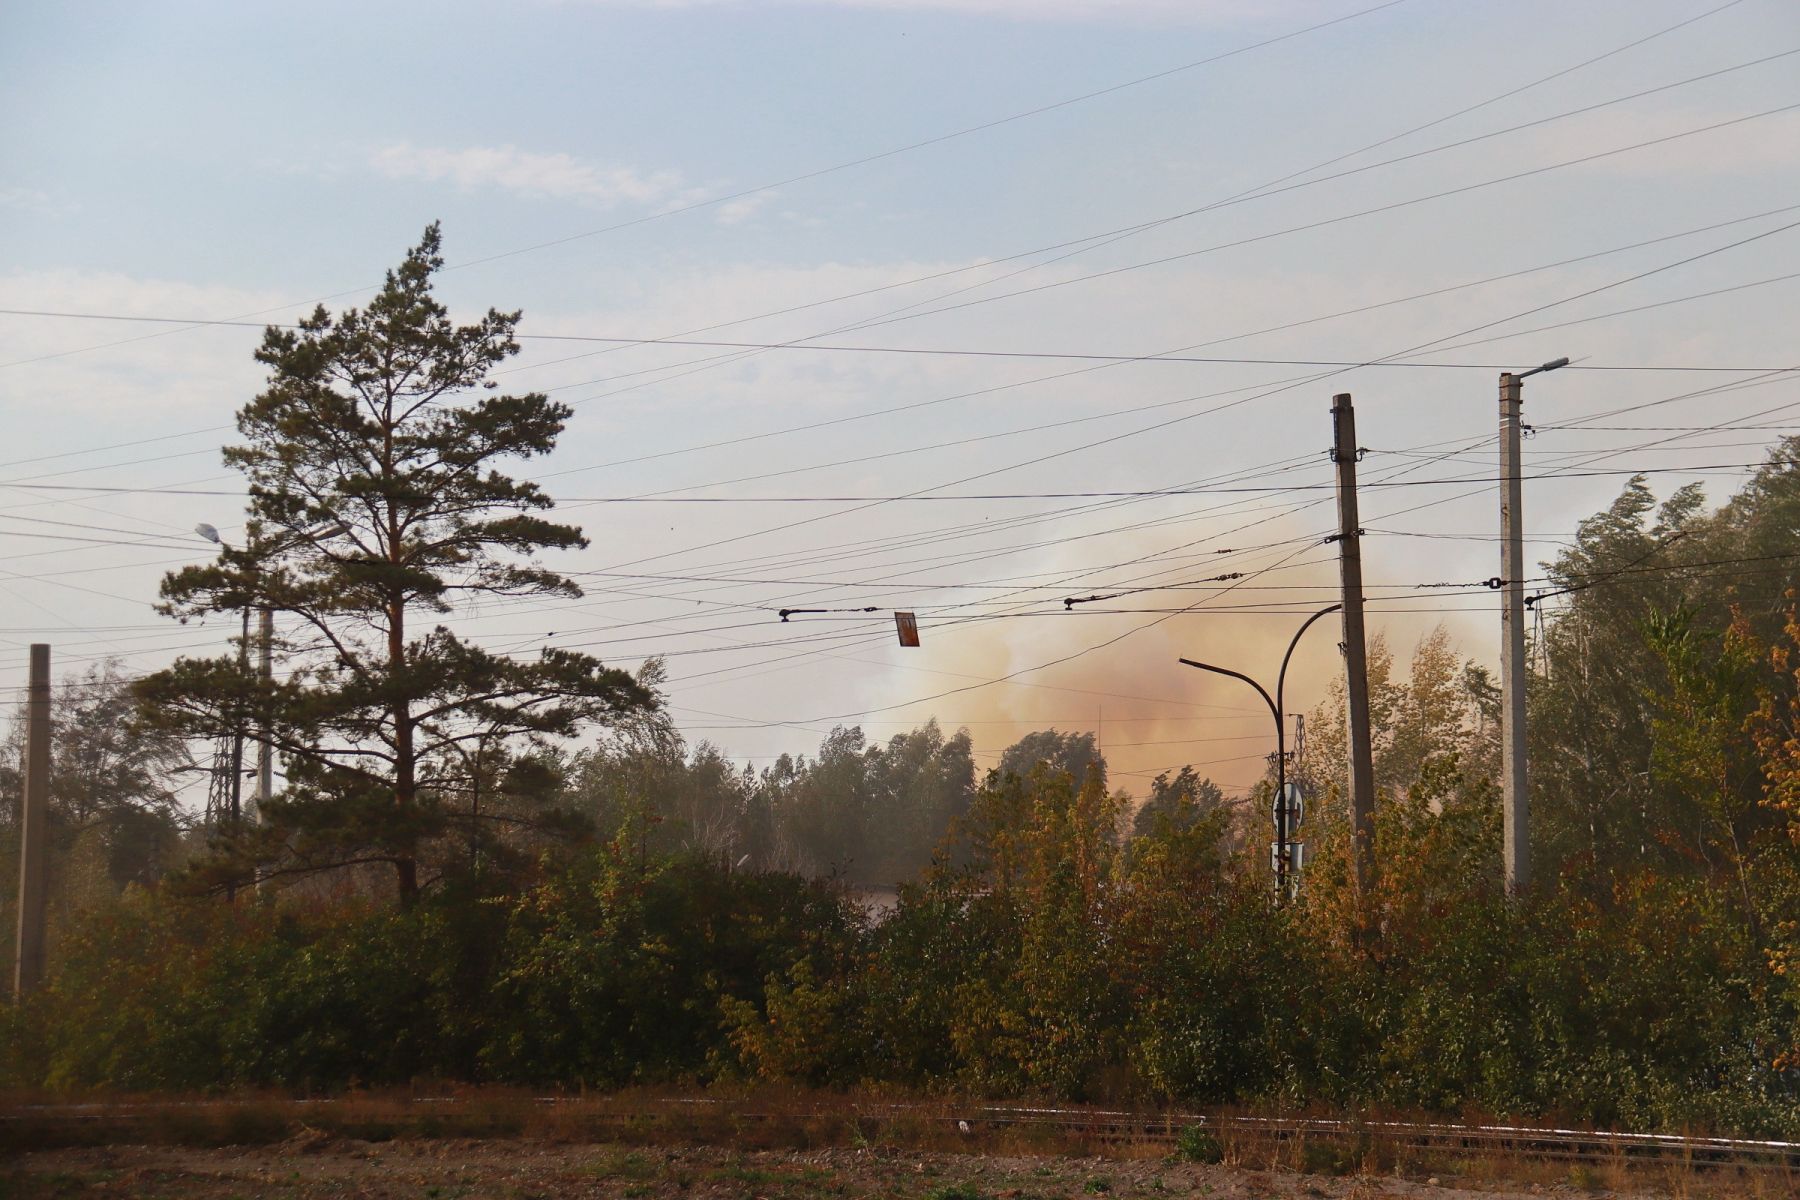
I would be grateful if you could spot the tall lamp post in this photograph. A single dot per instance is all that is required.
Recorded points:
(1276, 710)
(1514, 799)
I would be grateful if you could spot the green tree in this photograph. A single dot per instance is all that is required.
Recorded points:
(1074, 754)
(823, 812)
(114, 818)
(1182, 800)
(106, 782)
(873, 815)
(920, 784)
(1703, 752)
(1211, 970)
(1443, 708)
(1592, 701)
(376, 503)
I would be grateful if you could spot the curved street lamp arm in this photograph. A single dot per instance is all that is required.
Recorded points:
(1281, 679)
(1273, 710)
(1282, 848)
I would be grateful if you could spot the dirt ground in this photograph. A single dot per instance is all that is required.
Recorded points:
(316, 1165)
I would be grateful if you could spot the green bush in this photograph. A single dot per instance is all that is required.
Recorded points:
(1174, 978)
(1197, 1144)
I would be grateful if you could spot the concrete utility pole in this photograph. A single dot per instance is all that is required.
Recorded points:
(236, 816)
(34, 878)
(265, 747)
(237, 737)
(1515, 803)
(1344, 453)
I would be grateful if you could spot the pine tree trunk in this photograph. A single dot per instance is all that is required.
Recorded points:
(406, 873)
(406, 866)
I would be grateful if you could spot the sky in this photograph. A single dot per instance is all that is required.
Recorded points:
(929, 248)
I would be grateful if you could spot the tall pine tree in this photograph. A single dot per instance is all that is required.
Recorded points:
(375, 505)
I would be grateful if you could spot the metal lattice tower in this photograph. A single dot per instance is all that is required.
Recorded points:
(218, 789)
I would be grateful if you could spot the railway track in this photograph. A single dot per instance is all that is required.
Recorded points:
(1585, 1145)
(640, 1116)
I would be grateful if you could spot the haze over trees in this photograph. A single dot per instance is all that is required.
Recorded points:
(570, 894)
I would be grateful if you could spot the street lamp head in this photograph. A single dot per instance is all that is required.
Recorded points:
(210, 533)
(1552, 365)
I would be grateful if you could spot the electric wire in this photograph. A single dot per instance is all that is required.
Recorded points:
(699, 205)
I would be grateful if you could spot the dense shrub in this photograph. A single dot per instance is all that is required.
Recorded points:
(602, 974)
(1048, 961)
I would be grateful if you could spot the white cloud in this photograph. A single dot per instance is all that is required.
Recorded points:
(1763, 145)
(85, 369)
(525, 173)
(25, 199)
(735, 212)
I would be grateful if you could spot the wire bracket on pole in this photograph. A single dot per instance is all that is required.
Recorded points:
(785, 613)
(1069, 602)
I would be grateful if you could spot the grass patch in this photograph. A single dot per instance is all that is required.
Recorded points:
(618, 1163)
(748, 1176)
(955, 1191)
(1584, 1177)
(1196, 1145)
(1329, 1157)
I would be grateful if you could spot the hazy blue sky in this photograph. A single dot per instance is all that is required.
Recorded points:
(222, 160)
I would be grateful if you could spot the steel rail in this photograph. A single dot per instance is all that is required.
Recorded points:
(1140, 1126)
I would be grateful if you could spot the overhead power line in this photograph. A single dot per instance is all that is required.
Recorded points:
(1110, 237)
(1165, 616)
(937, 140)
(955, 497)
(1243, 609)
(1103, 361)
(743, 193)
(1325, 222)
(1171, 357)
(955, 352)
